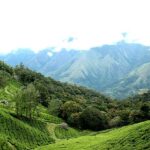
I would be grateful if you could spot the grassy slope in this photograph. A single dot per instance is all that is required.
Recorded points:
(25, 134)
(130, 137)
(8, 92)
(22, 134)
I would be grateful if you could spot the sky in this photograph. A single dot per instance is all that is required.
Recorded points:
(72, 24)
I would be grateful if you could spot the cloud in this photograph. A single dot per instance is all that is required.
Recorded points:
(38, 24)
(70, 39)
(50, 54)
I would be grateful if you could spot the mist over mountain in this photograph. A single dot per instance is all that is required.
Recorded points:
(117, 70)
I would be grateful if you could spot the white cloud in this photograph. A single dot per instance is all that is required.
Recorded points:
(50, 54)
(39, 24)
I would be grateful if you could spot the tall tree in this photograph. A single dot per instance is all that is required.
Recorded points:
(27, 101)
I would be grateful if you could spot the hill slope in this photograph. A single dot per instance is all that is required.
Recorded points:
(98, 68)
(21, 134)
(78, 106)
(130, 137)
(137, 81)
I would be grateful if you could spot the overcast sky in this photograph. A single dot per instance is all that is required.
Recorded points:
(78, 24)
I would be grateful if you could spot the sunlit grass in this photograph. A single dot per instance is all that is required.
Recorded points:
(130, 137)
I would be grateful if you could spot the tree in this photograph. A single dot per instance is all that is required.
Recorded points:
(92, 118)
(26, 101)
(6, 68)
(54, 106)
(42, 87)
(74, 119)
(70, 107)
(25, 75)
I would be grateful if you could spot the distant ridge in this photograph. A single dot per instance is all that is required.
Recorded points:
(111, 69)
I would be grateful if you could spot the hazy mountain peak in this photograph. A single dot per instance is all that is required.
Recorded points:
(114, 69)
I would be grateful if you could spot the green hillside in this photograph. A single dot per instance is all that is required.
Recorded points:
(16, 133)
(36, 111)
(130, 137)
(137, 81)
(22, 134)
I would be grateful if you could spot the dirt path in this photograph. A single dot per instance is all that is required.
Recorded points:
(7, 92)
(51, 129)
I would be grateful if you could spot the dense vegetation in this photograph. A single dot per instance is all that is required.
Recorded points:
(80, 107)
(30, 105)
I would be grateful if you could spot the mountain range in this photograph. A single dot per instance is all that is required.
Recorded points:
(118, 70)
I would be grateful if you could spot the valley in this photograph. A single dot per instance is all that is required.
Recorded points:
(65, 116)
(74, 75)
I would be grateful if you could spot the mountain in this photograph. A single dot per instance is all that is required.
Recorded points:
(16, 57)
(137, 81)
(103, 68)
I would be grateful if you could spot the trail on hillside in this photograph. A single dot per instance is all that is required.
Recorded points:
(7, 91)
(51, 128)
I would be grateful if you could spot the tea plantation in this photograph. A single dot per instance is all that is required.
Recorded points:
(132, 137)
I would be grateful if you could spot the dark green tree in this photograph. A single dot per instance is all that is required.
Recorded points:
(92, 118)
(70, 107)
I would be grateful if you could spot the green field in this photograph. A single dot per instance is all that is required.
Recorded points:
(132, 137)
